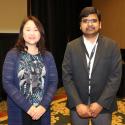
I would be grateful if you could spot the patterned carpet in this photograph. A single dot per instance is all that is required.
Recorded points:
(60, 113)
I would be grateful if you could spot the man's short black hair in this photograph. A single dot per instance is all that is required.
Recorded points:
(89, 10)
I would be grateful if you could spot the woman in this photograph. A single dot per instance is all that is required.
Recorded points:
(29, 77)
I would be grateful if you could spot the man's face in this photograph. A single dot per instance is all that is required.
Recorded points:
(90, 25)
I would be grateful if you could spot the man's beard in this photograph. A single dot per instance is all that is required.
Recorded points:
(90, 32)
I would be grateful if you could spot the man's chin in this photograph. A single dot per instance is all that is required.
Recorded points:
(92, 34)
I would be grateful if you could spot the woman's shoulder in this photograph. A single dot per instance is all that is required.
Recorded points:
(48, 53)
(12, 53)
(48, 56)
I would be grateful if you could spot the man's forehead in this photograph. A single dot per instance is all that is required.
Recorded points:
(91, 15)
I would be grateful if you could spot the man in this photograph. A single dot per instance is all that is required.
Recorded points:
(91, 72)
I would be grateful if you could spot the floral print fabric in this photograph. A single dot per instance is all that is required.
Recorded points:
(31, 74)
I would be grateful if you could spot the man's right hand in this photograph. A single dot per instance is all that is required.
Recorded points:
(83, 110)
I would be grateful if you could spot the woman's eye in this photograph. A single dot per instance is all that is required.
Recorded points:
(27, 29)
(36, 30)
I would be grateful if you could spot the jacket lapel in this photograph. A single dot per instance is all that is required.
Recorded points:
(98, 52)
(82, 52)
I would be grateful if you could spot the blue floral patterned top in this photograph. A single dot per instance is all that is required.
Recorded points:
(31, 74)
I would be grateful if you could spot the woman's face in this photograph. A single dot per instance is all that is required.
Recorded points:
(31, 33)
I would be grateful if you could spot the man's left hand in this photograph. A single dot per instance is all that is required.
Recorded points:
(95, 109)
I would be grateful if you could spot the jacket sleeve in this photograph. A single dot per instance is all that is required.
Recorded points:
(52, 80)
(10, 85)
(67, 76)
(109, 93)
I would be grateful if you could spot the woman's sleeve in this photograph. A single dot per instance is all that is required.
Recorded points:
(52, 81)
(9, 83)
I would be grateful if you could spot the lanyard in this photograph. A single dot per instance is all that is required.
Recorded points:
(90, 58)
(88, 66)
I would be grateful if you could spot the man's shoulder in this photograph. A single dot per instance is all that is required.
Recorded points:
(106, 39)
(75, 41)
(108, 42)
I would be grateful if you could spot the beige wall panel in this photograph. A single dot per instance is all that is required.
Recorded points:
(11, 14)
(113, 19)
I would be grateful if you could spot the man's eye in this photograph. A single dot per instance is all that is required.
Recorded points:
(89, 20)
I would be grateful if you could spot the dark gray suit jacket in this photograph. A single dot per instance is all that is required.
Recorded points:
(105, 78)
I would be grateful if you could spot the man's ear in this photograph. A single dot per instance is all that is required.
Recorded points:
(100, 25)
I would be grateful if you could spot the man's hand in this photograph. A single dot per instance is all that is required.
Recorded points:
(95, 109)
(83, 110)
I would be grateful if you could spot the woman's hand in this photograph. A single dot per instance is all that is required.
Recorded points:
(39, 111)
